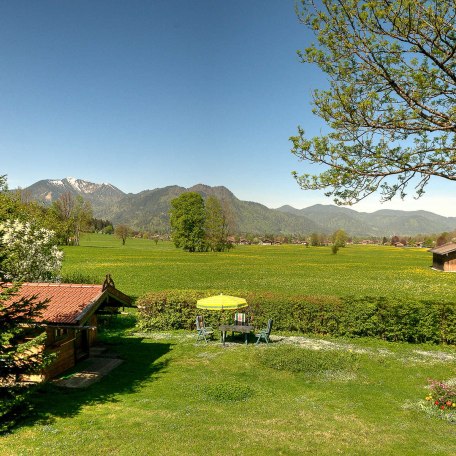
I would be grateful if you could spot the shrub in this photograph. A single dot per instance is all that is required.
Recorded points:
(397, 319)
(176, 309)
(392, 319)
(171, 310)
(229, 391)
(13, 406)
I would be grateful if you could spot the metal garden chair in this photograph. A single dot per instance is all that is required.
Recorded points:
(264, 333)
(202, 330)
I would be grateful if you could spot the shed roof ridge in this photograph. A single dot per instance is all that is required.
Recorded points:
(445, 248)
(89, 305)
(62, 285)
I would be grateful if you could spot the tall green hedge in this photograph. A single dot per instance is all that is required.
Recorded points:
(392, 319)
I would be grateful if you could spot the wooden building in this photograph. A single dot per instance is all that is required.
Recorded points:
(444, 257)
(71, 319)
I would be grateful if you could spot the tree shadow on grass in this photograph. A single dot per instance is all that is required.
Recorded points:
(142, 364)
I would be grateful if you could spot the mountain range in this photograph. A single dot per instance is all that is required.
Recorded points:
(148, 210)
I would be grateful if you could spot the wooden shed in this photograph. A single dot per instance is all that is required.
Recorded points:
(444, 257)
(70, 319)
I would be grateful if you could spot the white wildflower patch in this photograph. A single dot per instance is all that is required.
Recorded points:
(29, 253)
(438, 356)
(317, 344)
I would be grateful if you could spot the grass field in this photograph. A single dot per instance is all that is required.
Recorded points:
(297, 396)
(174, 397)
(142, 266)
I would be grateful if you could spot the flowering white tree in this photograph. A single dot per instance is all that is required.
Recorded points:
(28, 252)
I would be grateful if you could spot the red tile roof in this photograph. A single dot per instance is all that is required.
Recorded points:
(67, 302)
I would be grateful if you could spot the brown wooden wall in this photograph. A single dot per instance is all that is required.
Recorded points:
(64, 360)
(64, 348)
(445, 263)
(450, 266)
(93, 332)
(437, 262)
(62, 344)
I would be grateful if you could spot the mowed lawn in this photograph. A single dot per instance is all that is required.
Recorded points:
(172, 396)
(142, 266)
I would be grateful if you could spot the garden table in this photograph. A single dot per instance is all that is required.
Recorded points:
(246, 329)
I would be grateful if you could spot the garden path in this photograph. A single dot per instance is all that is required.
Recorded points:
(100, 363)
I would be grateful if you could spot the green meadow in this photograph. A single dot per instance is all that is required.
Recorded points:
(142, 266)
(300, 395)
(172, 396)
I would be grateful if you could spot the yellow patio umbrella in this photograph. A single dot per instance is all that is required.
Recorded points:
(221, 302)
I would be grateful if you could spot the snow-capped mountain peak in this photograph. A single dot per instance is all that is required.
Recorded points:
(56, 182)
(51, 189)
(82, 186)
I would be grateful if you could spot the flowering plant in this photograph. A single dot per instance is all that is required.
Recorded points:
(442, 395)
(29, 252)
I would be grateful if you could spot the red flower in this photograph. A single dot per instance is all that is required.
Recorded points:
(436, 402)
(448, 403)
(442, 407)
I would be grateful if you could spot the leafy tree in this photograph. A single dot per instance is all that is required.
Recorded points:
(395, 240)
(428, 242)
(29, 253)
(20, 350)
(19, 206)
(122, 232)
(443, 238)
(108, 229)
(99, 224)
(27, 250)
(391, 101)
(10, 206)
(187, 219)
(339, 238)
(74, 215)
(315, 239)
(216, 226)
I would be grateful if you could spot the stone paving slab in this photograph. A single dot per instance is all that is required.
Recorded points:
(94, 370)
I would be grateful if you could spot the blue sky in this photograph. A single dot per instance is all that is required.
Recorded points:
(145, 94)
